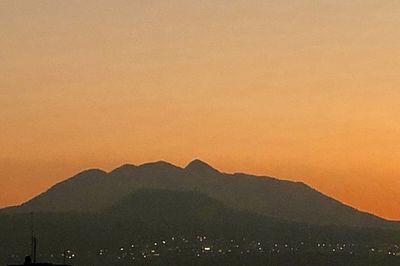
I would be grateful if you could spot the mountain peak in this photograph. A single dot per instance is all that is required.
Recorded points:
(124, 169)
(200, 166)
(89, 174)
(158, 164)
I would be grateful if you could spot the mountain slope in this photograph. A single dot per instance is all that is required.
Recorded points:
(96, 190)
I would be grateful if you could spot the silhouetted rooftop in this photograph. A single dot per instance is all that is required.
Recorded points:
(28, 261)
(39, 264)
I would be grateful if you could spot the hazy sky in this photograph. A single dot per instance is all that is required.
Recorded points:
(303, 90)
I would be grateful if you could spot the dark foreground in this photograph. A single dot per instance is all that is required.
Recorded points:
(187, 228)
(205, 250)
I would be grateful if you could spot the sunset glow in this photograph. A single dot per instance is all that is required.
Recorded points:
(301, 90)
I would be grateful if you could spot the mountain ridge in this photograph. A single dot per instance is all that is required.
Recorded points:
(93, 190)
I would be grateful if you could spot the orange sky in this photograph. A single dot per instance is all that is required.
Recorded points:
(303, 90)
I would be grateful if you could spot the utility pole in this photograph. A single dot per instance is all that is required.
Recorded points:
(33, 239)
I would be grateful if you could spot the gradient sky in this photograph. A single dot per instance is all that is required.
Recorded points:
(302, 90)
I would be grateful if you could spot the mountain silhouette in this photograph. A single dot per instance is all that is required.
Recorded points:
(96, 190)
